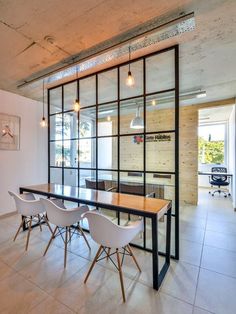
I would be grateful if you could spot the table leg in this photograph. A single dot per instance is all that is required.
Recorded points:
(155, 265)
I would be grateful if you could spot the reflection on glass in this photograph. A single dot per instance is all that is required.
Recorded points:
(70, 125)
(56, 175)
(86, 174)
(160, 112)
(71, 153)
(87, 153)
(130, 110)
(56, 127)
(160, 72)
(56, 158)
(87, 124)
(107, 119)
(71, 177)
(110, 178)
(55, 97)
(87, 91)
(131, 152)
(137, 72)
(107, 86)
(132, 182)
(160, 152)
(70, 94)
(107, 153)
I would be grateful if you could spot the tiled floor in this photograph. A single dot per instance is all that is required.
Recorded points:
(203, 281)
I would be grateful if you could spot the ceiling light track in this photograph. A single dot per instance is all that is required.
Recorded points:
(144, 35)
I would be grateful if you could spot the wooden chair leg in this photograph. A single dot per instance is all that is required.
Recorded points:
(21, 225)
(50, 241)
(28, 235)
(132, 255)
(84, 236)
(66, 241)
(93, 263)
(40, 226)
(47, 222)
(121, 275)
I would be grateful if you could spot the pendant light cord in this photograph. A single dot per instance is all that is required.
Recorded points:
(43, 98)
(129, 56)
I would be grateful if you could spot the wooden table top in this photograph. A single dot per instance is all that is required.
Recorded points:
(95, 197)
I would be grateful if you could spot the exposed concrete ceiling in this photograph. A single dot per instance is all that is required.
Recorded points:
(207, 55)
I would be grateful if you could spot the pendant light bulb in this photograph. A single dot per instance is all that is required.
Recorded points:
(76, 106)
(130, 79)
(43, 122)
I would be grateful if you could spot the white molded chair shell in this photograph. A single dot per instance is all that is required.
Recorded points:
(108, 234)
(26, 204)
(63, 217)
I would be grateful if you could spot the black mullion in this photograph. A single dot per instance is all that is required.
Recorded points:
(63, 159)
(118, 129)
(144, 145)
(78, 124)
(49, 151)
(177, 151)
(96, 166)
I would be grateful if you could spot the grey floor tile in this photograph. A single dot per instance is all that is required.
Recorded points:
(220, 240)
(219, 260)
(216, 292)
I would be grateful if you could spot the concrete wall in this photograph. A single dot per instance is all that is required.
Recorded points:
(28, 165)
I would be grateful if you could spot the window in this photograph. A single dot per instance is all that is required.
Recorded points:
(211, 144)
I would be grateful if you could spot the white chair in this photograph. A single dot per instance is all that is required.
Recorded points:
(111, 236)
(64, 219)
(31, 210)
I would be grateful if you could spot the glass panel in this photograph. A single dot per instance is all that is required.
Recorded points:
(87, 91)
(56, 154)
(136, 69)
(87, 122)
(107, 86)
(132, 182)
(86, 174)
(107, 153)
(110, 178)
(160, 152)
(160, 72)
(160, 112)
(56, 127)
(87, 153)
(70, 94)
(131, 116)
(107, 119)
(71, 177)
(56, 175)
(131, 152)
(70, 125)
(55, 96)
(71, 153)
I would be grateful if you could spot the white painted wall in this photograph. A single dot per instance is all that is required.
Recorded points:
(28, 165)
(232, 154)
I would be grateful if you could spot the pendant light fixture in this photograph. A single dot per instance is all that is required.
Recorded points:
(76, 105)
(137, 123)
(43, 122)
(130, 79)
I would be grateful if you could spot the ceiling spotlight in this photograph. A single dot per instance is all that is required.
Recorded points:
(153, 102)
(202, 94)
(108, 118)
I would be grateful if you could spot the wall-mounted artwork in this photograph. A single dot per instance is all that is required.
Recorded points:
(10, 132)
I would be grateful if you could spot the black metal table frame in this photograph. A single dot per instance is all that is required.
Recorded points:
(158, 275)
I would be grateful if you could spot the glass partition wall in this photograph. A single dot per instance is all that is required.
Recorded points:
(125, 136)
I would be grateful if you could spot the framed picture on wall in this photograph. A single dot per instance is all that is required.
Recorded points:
(10, 132)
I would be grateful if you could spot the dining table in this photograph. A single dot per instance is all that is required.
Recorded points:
(141, 206)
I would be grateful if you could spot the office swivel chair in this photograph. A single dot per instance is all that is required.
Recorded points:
(219, 180)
